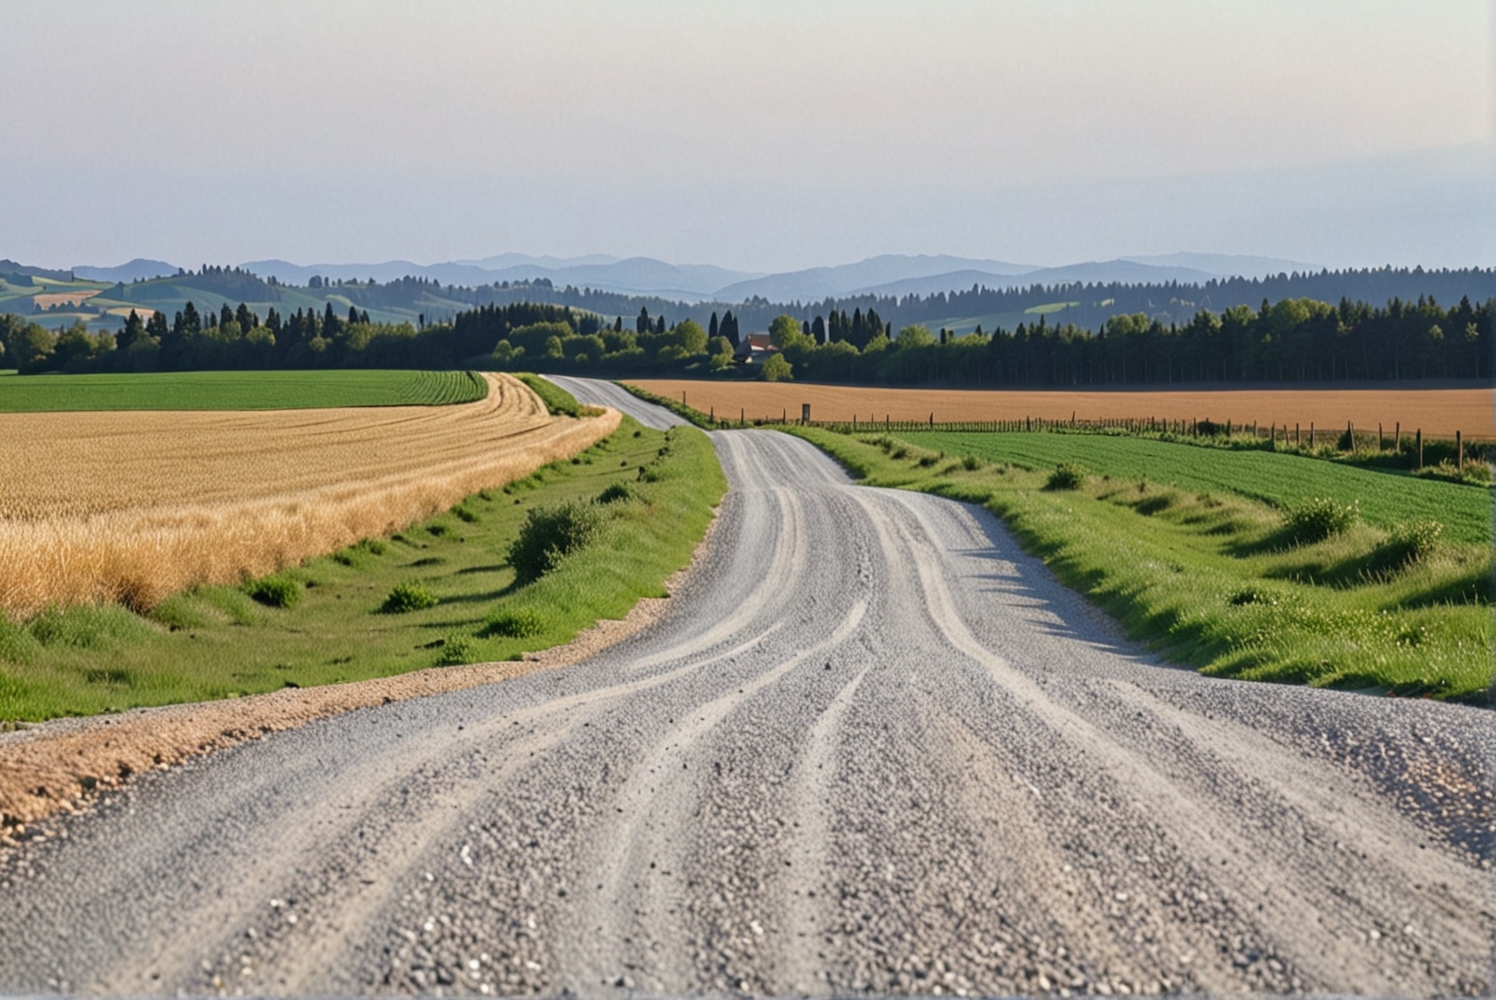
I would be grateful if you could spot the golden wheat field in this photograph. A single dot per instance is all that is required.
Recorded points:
(1437, 412)
(134, 506)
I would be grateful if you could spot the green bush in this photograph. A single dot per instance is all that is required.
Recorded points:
(275, 592)
(616, 493)
(1066, 476)
(1320, 518)
(777, 369)
(456, 651)
(1410, 543)
(971, 463)
(517, 624)
(549, 533)
(408, 597)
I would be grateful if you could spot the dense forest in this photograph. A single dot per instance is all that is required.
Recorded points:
(1294, 340)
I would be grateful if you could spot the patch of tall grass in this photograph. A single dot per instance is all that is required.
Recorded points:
(193, 499)
(216, 641)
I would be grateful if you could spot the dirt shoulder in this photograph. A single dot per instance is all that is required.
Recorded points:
(59, 766)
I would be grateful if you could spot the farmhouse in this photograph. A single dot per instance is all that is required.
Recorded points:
(754, 349)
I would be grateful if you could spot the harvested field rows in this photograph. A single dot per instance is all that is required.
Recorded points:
(132, 507)
(1438, 412)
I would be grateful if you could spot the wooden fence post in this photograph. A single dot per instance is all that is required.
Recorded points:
(1418, 443)
(1397, 437)
(1350, 433)
(1459, 451)
(1311, 434)
(1381, 445)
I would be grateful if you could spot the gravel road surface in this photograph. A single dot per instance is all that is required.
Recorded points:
(871, 746)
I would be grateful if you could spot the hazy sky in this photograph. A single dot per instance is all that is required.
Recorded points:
(767, 135)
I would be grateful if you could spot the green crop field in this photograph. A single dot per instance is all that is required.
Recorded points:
(439, 593)
(1217, 578)
(1386, 499)
(260, 390)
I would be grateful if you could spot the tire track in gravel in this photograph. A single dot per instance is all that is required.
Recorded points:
(870, 746)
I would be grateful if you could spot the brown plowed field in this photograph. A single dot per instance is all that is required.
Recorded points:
(133, 506)
(1438, 412)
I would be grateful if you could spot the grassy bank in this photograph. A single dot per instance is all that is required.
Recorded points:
(442, 592)
(1386, 498)
(1220, 579)
(256, 390)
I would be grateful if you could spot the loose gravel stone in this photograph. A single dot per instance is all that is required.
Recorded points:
(869, 746)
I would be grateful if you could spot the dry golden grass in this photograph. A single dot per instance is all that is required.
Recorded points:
(51, 299)
(134, 506)
(1439, 412)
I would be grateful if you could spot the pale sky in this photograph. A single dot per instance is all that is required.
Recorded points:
(767, 136)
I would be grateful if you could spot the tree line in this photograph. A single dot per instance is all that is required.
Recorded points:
(1293, 340)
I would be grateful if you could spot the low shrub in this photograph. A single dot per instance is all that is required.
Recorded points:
(275, 591)
(406, 597)
(1409, 543)
(1066, 476)
(971, 463)
(1320, 518)
(549, 533)
(513, 624)
(616, 493)
(457, 651)
(465, 515)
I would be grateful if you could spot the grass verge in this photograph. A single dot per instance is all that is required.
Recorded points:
(687, 413)
(1281, 479)
(1221, 581)
(223, 642)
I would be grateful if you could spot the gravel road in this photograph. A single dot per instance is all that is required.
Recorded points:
(871, 746)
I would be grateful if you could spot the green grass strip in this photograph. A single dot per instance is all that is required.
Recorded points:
(441, 592)
(556, 399)
(687, 413)
(1280, 479)
(250, 390)
(1214, 580)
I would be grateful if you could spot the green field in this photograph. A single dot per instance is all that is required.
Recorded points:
(1215, 577)
(218, 642)
(258, 390)
(1386, 498)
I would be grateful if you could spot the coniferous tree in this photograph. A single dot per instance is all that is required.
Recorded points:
(711, 328)
(187, 323)
(156, 325)
(643, 324)
(131, 332)
(818, 330)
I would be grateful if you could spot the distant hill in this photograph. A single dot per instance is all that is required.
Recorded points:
(818, 283)
(1108, 272)
(1229, 265)
(636, 275)
(11, 267)
(138, 269)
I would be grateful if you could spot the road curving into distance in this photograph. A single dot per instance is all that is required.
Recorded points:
(871, 746)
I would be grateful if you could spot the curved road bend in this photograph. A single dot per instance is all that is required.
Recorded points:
(872, 746)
